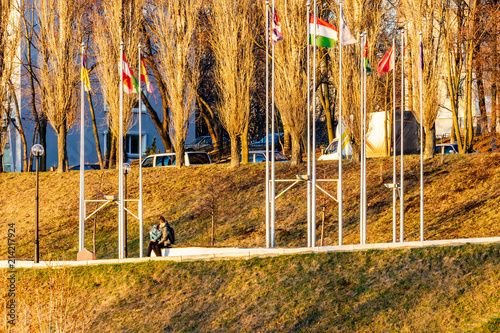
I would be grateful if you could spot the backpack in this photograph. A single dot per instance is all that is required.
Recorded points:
(171, 234)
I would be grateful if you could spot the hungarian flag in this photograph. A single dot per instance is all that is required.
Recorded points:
(326, 33)
(276, 32)
(144, 76)
(368, 68)
(130, 84)
(386, 64)
(84, 75)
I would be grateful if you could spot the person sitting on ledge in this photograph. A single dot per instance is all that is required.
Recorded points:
(167, 236)
(154, 237)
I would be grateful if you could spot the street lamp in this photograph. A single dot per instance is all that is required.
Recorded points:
(37, 151)
(126, 171)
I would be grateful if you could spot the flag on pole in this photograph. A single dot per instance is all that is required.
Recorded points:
(276, 31)
(144, 76)
(386, 64)
(368, 68)
(326, 33)
(347, 37)
(130, 84)
(84, 75)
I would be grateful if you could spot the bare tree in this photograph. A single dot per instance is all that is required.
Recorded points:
(290, 74)
(233, 30)
(58, 64)
(114, 22)
(9, 43)
(174, 34)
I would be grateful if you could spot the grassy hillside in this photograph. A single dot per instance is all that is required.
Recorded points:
(462, 199)
(420, 290)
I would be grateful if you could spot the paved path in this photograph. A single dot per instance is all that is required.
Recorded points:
(199, 253)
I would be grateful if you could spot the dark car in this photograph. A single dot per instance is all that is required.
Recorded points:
(204, 143)
(85, 167)
(168, 159)
(260, 156)
(278, 141)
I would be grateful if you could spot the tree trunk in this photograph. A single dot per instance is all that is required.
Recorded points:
(356, 151)
(42, 132)
(62, 158)
(163, 127)
(468, 104)
(483, 122)
(244, 146)
(430, 135)
(96, 132)
(20, 129)
(179, 153)
(112, 152)
(296, 151)
(325, 100)
(287, 140)
(235, 152)
(213, 124)
(494, 105)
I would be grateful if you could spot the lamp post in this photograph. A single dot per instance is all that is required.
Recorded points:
(37, 151)
(126, 171)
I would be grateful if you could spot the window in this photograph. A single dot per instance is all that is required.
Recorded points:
(132, 144)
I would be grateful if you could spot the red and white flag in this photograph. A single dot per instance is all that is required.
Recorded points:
(387, 63)
(130, 83)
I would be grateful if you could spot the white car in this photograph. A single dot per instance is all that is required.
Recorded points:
(331, 153)
(168, 159)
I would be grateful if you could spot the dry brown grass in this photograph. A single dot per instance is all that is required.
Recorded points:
(421, 290)
(462, 197)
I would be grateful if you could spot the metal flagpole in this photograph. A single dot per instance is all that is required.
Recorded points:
(421, 69)
(268, 240)
(339, 148)
(273, 171)
(361, 144)
(313, 143)
(121, 250)
(141, 231)
(395, 188)
(81, 244)
(364, 149)
(309, 129)
(402, 199)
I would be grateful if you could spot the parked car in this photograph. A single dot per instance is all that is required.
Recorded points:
(278, 141)
(446, 148)
(85, 167)
(168, 159)
(204, 143)
(260, 156)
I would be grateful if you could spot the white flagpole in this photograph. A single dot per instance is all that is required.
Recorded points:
(81, 244)
(141, 231)
(268, 239)
(309, 130)
(402, 199)
(313, 143)
(339, 149)
(364, 149)
(273, 171)
(421, 144)
(121, 250)
(361, 205)
(394, 210)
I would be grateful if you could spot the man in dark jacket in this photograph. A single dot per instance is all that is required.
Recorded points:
(166, 237)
